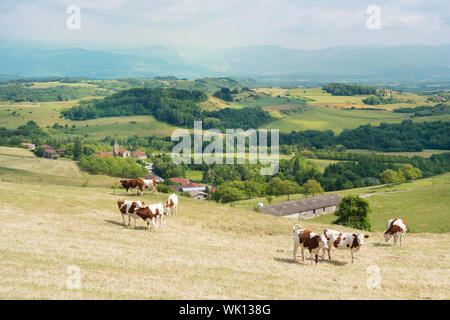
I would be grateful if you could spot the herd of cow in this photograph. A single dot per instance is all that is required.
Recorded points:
(303, 238)
(152, 213)
(314, 242)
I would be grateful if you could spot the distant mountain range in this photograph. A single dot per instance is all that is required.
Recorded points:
(260, 62)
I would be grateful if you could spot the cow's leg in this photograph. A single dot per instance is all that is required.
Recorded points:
(395, 239)
(123, 219)
(148, 225)
(329, 253)
(295, 251)
(129, 219)
(401, 236)
(303, 254)
(311, 256)
(353, 255)
(134, 222)
(154, 225)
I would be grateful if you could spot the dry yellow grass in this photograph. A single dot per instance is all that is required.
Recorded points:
(66, 168)
(208, 251)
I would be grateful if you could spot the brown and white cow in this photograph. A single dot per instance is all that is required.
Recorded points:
(150, 183)
(307, 239)
(133, 183)
(127, 208)
(343, 241)
(395, 227)
(151, 213)
(171, 205)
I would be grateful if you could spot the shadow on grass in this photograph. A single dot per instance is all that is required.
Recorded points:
(308, 261)
(379, 244)
(126, 226)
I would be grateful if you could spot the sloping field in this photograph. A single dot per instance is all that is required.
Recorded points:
(322, 118)
(425, 209)
(423, 203)
(20, 165)
(65, 168)
(207, 251)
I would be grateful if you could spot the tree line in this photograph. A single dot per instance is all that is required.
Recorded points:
(174, 106)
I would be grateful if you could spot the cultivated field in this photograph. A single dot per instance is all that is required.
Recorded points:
(208, 251)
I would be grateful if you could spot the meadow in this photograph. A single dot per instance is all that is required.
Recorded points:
(209, 251)
(323, 118)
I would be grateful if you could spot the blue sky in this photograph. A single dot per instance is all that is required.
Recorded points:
(203, 25)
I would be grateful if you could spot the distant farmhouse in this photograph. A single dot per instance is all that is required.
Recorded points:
(49, 153)
(305, 208)
(196, 190)
(31, 146)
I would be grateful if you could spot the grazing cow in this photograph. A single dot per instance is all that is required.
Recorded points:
(150, 183)
(171, 205)
(151, 213)
(343, 241)
(131, 184)
(127, 207)
(396, 227)
(308, 240)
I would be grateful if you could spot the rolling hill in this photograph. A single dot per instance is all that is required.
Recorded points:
(209, 250)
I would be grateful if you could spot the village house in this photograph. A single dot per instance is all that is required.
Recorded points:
(31, 146)
(49, 153)
(139, 155)
(304, 208)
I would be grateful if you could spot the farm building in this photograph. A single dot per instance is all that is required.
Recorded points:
(198, 195)
(31, 146)
(139, 155)
(305, 208)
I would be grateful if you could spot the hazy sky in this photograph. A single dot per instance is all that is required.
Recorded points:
(190, 25)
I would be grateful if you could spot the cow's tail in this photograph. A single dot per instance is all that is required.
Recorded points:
(296, 225)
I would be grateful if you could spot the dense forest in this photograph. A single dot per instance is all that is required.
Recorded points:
(405, 136)
(174, 106)
(342, 89)
(30, 132)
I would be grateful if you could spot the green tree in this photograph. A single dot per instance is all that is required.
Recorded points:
(39, 151)
(77, 149)
(409, 172)
(354, 212)
(389, 176)
(312, 187)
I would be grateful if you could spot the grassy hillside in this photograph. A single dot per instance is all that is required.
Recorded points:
(425, 209)
(20, 165)
(209, 251)
(323, 118)
(423, 204)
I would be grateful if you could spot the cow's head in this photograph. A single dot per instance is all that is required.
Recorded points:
(358, 239)
(136, 205)
(166, 209)
(387, 236)
(121, 182)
